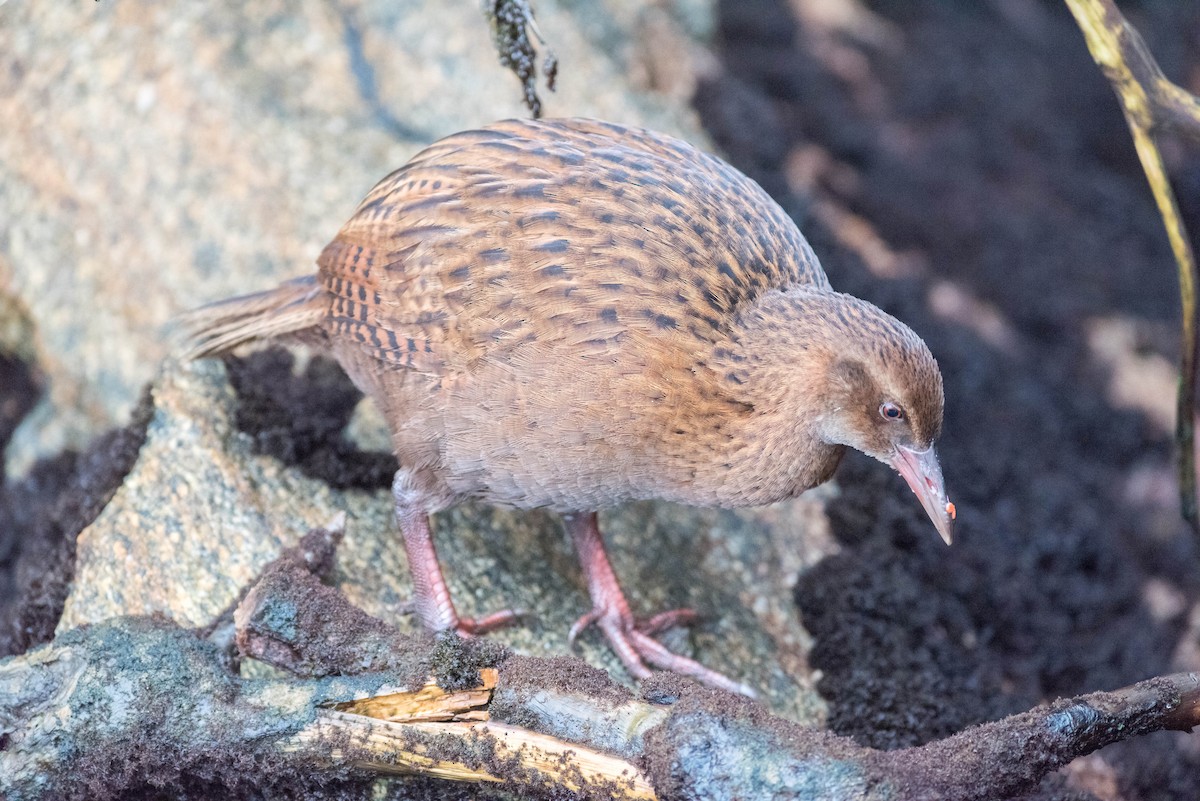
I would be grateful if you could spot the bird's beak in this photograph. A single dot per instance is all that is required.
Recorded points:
(923, 473)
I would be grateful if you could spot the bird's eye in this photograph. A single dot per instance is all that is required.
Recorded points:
(891, 411)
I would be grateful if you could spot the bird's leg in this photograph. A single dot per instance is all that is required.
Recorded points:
(431, 595)
(610, 612)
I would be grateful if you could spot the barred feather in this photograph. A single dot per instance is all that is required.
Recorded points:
(291, 310)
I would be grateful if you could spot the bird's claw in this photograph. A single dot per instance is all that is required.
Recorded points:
(664, 621)
(468, 627)
(635, 646)
(585, 620)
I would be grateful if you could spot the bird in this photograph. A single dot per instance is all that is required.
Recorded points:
(571, 314)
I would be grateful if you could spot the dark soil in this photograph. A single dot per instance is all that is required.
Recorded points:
(989, 144)
(299, 418)
(41, 515)
(982, 140)
(20, 394)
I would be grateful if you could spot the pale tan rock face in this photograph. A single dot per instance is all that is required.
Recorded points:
(156, 156)
(199, 514)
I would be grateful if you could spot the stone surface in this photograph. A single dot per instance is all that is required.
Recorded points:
(200, 514)
(156, 156)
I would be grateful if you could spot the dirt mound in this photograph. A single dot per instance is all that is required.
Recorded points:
(980, 144)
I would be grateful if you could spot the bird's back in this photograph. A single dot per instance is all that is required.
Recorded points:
(574, 232)
(551, 314)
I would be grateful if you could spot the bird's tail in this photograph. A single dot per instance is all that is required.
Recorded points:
(292, 310)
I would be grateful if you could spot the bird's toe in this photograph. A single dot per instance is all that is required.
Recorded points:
(474, 626)
(637, 649)
(663, 621)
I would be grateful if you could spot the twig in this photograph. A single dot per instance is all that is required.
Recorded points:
(511, 22)
(474, 752)
(1004, 758)
(141, 702)
(1152, 104)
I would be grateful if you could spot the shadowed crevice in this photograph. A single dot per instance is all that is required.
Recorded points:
(364, 77)
(40, 517)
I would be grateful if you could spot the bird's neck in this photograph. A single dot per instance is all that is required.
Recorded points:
(783, 345)
(776, 360)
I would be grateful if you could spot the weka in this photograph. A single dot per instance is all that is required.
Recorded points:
(571, 314)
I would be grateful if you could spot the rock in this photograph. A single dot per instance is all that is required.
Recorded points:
(200, 514)
(156, 157)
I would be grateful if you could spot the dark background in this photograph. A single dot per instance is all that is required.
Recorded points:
(980, 144)
(985, 147)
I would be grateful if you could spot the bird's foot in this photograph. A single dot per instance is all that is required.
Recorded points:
(468, 627)
(430, 600)
(634, 645)
(439, 618)
(651, 626)
(664, 621)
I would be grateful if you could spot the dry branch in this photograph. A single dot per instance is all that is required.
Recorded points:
(1153, 104)
(475, 752)
(141, 700)
(512, 22)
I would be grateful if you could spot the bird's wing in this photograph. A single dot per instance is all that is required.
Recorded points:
(575, 231)
(398, 268)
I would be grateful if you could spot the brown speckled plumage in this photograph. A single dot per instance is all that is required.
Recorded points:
(571, 314)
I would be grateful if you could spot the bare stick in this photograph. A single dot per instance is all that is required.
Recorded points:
(1151, 104)
(474, 752)
(568, 731)
(511, 22)
(1003, 758)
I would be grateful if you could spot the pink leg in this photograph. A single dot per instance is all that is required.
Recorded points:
(431, 596)
(610, 612)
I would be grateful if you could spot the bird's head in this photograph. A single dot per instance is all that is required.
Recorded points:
(851, 375)
(883, 396)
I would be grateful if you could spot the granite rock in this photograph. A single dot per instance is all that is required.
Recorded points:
(156, 156)
(200, 514)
